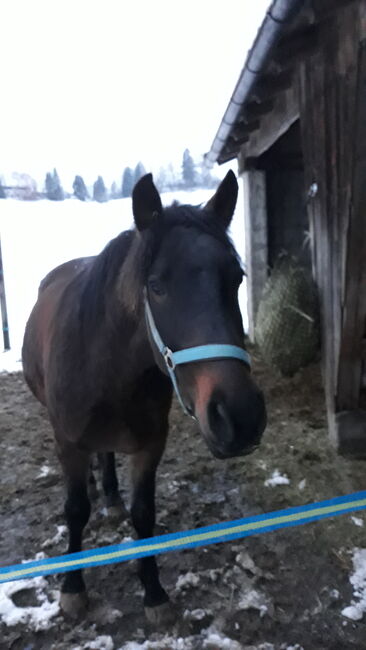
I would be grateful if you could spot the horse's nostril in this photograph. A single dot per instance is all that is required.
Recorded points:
(220, 421)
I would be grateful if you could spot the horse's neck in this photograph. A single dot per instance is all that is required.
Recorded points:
(127, 335)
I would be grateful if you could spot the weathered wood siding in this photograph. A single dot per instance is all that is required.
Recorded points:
(333, 122)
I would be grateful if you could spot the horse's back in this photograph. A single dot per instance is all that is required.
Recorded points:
(39, 328)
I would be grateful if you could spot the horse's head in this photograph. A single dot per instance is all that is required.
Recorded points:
(191, 289)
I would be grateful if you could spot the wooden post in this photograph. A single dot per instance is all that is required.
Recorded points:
(351, 429)
(333, 109)
(4, 313)
(256, 259)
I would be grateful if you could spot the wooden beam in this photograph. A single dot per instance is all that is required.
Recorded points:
(231, 149)
(254, 109)
(226, 156)
(363, 349)
(243, 128)
(354, 306)
(298, 44)
(271, 84)
(273, 125)
(256, 246)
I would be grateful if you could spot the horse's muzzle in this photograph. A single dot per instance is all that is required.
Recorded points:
(234, 429)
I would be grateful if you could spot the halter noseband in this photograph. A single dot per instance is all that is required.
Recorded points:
(190, 355)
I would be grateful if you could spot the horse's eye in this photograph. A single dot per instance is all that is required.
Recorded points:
(156, 287)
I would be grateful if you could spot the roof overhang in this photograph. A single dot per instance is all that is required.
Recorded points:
(267, 71)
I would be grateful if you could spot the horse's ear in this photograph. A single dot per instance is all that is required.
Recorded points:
(223, 202)
(146, 203)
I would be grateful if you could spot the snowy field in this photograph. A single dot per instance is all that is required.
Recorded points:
(37, 236)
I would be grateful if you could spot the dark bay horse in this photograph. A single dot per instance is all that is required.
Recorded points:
(91, 356)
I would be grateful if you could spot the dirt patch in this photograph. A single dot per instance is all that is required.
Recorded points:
(283, 588)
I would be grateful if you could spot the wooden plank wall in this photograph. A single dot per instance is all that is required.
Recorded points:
(329, 91)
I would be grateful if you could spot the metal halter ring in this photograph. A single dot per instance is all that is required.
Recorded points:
(168, 358)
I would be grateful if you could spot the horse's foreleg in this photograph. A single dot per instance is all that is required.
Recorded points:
(144, 465)
(75, 465)
(113, 500)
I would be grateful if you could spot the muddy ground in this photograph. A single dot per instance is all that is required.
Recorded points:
(282, 588)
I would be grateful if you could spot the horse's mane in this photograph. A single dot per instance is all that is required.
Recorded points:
(127, 258)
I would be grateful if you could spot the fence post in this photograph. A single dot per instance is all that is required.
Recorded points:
(4, 312)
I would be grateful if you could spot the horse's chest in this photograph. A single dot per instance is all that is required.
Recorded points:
(109, 430)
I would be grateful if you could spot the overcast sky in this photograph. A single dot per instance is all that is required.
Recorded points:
(90, 87)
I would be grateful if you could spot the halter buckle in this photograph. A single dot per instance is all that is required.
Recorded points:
(168, 358)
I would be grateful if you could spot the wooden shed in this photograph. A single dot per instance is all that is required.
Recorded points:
(296, 123)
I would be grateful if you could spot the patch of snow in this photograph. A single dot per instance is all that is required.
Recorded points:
(174, 486)
(356, 610)
(187, 580)
(103, 642)
(254, 599)
(165, 643)
(45, 470)
(216, 641)
(302, 484)
(357, 521)
(245, 561)
(56, 539)
(41, 555)
(277, 479)
(37, 617)
(197, 614)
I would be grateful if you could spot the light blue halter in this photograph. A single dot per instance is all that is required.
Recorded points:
(189, 355)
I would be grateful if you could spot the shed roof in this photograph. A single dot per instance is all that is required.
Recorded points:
(288, 30)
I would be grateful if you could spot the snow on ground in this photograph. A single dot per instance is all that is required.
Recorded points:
(103, 642)
(37, 236)
(357, 521)
(356, 610)
(277, 479)
(36, 616)
(56, 539)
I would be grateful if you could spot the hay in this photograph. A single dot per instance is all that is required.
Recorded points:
(287, 324)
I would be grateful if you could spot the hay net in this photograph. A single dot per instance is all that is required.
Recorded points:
(287, 323)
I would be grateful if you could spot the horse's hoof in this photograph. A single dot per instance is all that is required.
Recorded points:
(74, 605)
(117, 512)
(161, 615)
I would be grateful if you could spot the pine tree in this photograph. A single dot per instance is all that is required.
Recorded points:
(127, 182)
(161, 181)
(139, 172)
(79, 188)
(204, 177)
(188, 170)
(2, 191)
(114, 193)
(54, 191)
(99, 191)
